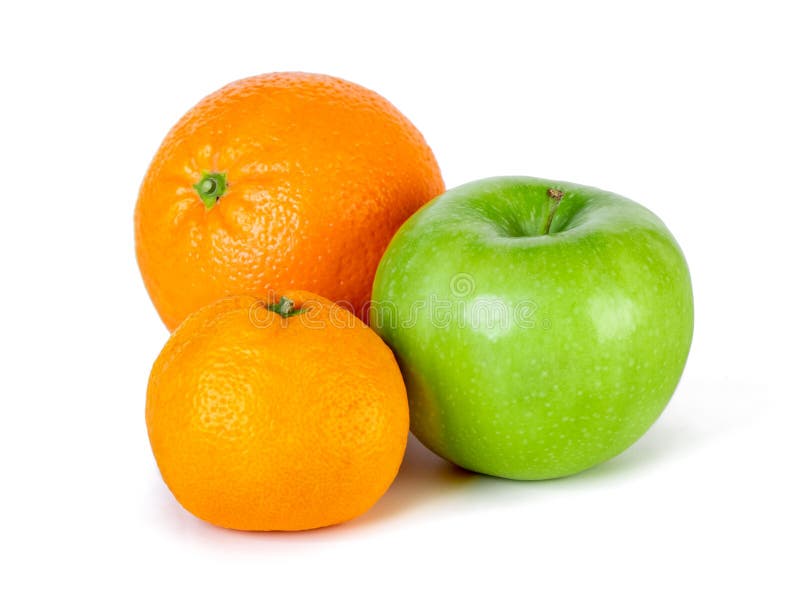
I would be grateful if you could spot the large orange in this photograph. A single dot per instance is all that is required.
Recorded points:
(285, 180)
(261, 421)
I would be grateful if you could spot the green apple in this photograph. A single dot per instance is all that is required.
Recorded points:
(541, 326)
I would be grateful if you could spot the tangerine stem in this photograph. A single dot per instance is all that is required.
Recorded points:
(210, 188)
(285, 308)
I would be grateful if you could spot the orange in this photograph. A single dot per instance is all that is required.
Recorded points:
(286, 420)
(284, 180)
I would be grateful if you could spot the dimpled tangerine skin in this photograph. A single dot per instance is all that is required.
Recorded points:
(263, 423)
(561, 349)
(320, 171)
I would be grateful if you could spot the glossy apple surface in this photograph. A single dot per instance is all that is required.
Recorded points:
(541, 326)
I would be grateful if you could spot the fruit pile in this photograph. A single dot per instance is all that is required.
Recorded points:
(526, 329)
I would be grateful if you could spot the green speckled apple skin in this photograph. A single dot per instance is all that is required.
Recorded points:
(560, 349)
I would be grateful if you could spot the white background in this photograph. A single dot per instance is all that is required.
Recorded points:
(690, 108)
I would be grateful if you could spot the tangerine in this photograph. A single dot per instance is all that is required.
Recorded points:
(286, 415)
(279, 181)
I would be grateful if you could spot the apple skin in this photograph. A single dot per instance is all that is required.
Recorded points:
(530, 355)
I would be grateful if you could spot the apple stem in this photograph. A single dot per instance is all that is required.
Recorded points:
(556, 196)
